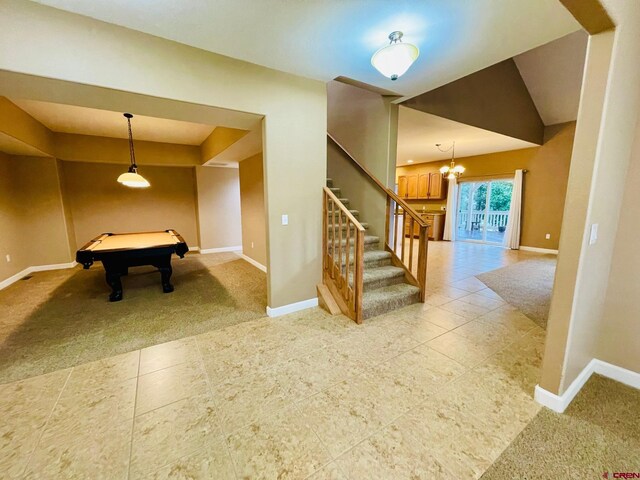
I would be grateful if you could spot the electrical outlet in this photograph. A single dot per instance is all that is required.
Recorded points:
(547, 236)
(8, 258)
(251, 244)
(285, 219)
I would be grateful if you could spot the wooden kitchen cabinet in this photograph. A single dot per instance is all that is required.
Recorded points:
(412, 186)
(423, 186)
(402, 187)
(434, 221)
(436, 186)
(427, 186)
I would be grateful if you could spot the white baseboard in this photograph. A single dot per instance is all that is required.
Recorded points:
(55, 266)
(252, 262)
(292, 307)
(559, 403)
(36, 268)
(538, 250)
(237, 248)
(619, 374)
(194, 249)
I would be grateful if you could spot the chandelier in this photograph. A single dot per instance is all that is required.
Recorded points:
(453, 170)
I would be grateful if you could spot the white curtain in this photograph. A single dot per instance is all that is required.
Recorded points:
(512, 235)
(452, 206)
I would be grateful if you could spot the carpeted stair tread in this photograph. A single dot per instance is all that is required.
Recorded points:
(369, 240)
(344, 201)
(329, 182)
(355, 213)
(344, 226)
(336, 191)
(374, 278)
(373, 258)
(385, 299)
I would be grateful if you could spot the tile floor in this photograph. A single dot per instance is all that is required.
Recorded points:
(435, 390)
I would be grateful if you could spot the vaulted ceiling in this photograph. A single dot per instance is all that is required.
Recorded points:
(324, 39)
(553, 76)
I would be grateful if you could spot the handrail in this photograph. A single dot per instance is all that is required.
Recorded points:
(405, 206)
(344, 209)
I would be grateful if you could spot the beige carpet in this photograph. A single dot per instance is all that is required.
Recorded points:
(526, 285)
(598, 433)
(63, 318)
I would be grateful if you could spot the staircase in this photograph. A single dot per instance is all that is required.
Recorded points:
(386, 286)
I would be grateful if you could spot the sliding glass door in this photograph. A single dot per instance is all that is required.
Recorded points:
(483, 210)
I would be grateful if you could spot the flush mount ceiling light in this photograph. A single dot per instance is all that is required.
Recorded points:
(453, 170)
(395, 59)
(132, 178)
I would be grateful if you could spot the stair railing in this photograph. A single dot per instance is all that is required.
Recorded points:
(401, 220)
(342, 255)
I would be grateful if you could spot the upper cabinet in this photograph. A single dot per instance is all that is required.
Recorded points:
(436, 187)
(412, 186)
(426, 186)
(402, 187)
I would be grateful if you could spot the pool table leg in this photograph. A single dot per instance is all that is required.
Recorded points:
(165, 275)
(113, 279)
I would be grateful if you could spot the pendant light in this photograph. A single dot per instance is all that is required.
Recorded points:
(132, 178)
(453, 170)
(395, 59)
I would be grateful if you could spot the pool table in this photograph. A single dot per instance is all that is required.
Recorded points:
(119, 251)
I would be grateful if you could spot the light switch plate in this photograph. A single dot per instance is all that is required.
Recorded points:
(593, 236)
(285, 219)
(547, 236)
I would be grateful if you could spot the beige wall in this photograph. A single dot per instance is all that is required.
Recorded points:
(609, 107)
(545, 184)
(99, 204)
(23, 127)
(11, 240)
(254, 240)
(366, 124)
(31, 214)
(88, 148)
(104, 67)
(218, 207)
(220, 139)
(619, 331)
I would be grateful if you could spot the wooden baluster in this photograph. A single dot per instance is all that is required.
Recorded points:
(395, 229)
(325, 229)
(359, 274)
(387, 224)
(339, 246)
(411, 245)
(347, 255)
(421, 274)
(333, 238)
(404, 229)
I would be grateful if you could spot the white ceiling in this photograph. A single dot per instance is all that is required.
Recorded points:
(418, 133)
(553, 76)
(91, 121)
(324, 39)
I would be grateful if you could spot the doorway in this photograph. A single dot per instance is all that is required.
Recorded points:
(483, 211)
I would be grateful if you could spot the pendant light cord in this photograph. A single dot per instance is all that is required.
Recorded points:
(132, 153)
